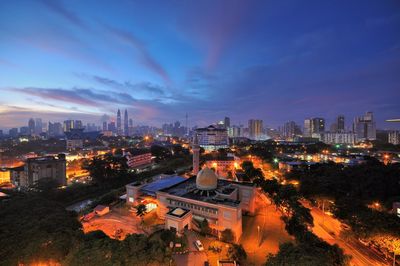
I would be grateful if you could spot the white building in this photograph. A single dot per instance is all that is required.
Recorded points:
(338, 138)
(212, 138)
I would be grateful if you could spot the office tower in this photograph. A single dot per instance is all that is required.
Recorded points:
(38, 126)
(31, 126)
(130, 122)
(235, 131)
(307, 132)
(104, 126)
(126, 127)
(14, 132)
(227, 122)
(111, 127)
(364, 127)
(255, 129)
(119, 125)
(314, 125)
(55, 129)
(23, 131)
(290, 129)
(78, 124)
(318, 125)
(68, 125)
(394, 137)
(340, 124)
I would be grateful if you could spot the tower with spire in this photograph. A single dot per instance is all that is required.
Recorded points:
(196, 155)
(119, 125)
(126, 126)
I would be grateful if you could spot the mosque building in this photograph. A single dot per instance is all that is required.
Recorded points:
(184, 202)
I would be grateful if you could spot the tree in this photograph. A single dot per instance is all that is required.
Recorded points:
(205, 227)
(141, 210)
(237, 253)
(227, 236)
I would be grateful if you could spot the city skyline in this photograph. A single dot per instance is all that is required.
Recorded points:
(272, 61)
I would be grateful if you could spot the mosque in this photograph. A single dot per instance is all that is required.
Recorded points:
(184, 202)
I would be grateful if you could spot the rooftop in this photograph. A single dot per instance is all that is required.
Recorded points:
(160, 184)
(188, 189)
(178, 212)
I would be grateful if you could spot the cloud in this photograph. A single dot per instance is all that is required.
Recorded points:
(145, 57)
(58, 8)
(85, 97)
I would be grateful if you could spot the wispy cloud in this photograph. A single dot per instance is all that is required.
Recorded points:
(57, 7)
(78, 96)
(145, 57)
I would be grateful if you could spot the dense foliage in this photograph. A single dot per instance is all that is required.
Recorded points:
(353, 189)
(42, 230)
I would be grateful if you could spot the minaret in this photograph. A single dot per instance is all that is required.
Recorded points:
(119, 126)
(196, 155)
(126, 127)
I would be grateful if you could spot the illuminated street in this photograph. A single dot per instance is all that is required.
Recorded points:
(328, 228)
(271, 233)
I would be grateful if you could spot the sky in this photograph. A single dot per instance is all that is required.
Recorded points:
(271, 60)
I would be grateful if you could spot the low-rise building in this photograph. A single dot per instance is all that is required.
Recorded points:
(138, 158)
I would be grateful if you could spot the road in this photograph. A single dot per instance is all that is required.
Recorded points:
(194, 257)
(329, 228)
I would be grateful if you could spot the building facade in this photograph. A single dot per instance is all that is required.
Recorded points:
(394, 137)
(255, 129)
(39, 168)
(212, 138)
(364, 127)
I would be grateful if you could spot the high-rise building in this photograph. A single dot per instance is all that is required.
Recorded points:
(119, 123)
(31, 126)
(227, 122)
(364, 127)
(68, 125)
(55, 129)
(126, 125)
(314, 126)
(38, 126)
(104, 126)
(394, 137)
(340, 124)
(112, 127)
(290, 129)
(13, 132)
(78, 124)
(338, 138)
(23, 131)
(235, 131)
(255, 129)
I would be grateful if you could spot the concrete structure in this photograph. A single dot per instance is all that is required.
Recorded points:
(138, 158)
(74, 139)
(196, 155)
(178, 220)
(220, 201)
(35, 169)
(255, 129)
(338, 138)
(212, 138)
(224, 166)
(364, 127)
(290, 129)
(119, 123)
(394, 137)
(126, 123)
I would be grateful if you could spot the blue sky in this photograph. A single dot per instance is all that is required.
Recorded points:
(272, 60)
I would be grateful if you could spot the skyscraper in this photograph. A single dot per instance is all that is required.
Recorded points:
(290, 129)
(119, 125)
(227, 122)
(38, 126)
(31, 126)
(314, 125)
(307, 132)
(340, 124)
(364, 127)
(255, 129)
(126, 125)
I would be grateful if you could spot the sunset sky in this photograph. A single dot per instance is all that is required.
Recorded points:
(272, 60)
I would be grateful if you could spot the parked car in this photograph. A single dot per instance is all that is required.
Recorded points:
(199, 245)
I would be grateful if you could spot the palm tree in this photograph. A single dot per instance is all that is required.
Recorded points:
(141, 210)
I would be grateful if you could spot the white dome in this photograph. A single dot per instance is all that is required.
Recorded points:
(206, 179)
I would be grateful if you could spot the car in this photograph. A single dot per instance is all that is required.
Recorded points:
(199, 245)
